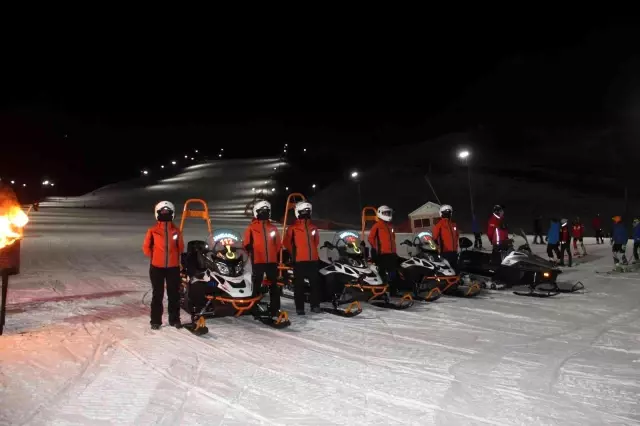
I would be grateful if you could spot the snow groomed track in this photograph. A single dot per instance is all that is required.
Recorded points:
(77, 349)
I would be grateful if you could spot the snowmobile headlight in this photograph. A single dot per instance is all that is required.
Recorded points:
(546, 274)
(354, 262)
(224, 269)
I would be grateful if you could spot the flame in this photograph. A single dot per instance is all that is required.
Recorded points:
(12, 222)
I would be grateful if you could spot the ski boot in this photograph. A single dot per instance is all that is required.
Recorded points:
(176, 324)
(317, 310)
(156, 326)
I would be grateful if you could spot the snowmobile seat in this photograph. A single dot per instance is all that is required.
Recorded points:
(193, 259)
(465, 243)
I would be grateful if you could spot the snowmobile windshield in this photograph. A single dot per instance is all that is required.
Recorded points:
(424, 241)
(226, 244)
(348, 242)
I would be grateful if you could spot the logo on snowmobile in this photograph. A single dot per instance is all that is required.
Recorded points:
(225, 236)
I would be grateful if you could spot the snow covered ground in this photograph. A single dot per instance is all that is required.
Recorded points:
(77, 349)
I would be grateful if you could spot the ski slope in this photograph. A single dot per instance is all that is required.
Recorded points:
(228, 187)
(77, 349)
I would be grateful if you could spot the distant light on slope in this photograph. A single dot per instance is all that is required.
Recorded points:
(313, 186)
(253, 189)
(173, 162)
(354, 174)
(219, 155)
(24, 184)
(273, 190)
(304, 150)
(12, 182)
(145, 172)
(46, 182)
(186, 156)
(162, 167)
(196, 151)
(286, 188)
(52, 184)
(191, 158)
(463, 154)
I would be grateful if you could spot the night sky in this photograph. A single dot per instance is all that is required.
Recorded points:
(86, 127)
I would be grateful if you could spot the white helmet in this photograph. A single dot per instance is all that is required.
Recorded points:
(444, 209)
(301, 207)
(168, 208)
(563, 221)
(385, 213)
(261, 205)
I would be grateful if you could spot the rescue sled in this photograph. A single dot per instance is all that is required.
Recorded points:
(214, 279)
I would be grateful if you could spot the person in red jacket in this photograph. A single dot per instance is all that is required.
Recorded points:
(565, 241)
(445, 234)
(577, 231)
(597, 227)
(301, 240)
(498, 233)
(164, 244)
(382, 239)
(262, 242)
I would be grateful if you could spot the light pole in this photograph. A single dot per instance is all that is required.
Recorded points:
(464, 156)
(354, 176)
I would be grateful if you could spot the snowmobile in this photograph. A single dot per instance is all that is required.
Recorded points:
(215, 281)
(349, 279)
(286, 277)
(519, 267)
(428, 274)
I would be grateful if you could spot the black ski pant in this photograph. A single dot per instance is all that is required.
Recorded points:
(478, 240)
(306, 270)
(538, 234)
(452, 258)
(599, 236)
(636, 246)
(551, 249)
(259, 270)
(158, 277)
(498, 251)
(565, 246)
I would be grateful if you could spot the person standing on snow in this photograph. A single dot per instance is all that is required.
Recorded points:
(537, 230)
(565, 242)
(262, 242)
(597, 227)
(477, 234)
(382, 239)
(619, 239)
(636, 239)
(577, 231)
(498, 233)
(553, 239)
(445, 234)
(301, 240)
(164, 245)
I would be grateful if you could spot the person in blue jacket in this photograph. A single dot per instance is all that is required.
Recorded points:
(636, 239)
(619, 239)
(475, 228)
(553, 239)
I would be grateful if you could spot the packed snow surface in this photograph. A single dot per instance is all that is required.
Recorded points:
(77, 348)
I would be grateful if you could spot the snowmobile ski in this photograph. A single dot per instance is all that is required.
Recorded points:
(263, 315)
(577, 286)
(384, 301)
(354, 308)
(539, 291)
(198, 326)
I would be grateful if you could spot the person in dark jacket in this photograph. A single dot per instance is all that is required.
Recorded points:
(619, 239)
(477, 233)
(565, 241)
(597, 227)
(537, 230)
(262, 242)
(553, 239)
(636, 239)
(301, 240)
(164, 245)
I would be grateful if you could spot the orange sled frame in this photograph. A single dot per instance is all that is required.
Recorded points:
(241, 306)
